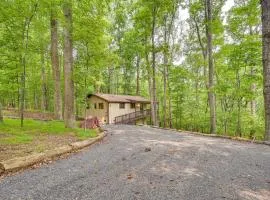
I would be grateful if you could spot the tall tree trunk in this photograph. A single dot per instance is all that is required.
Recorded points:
(25, 39)
(149, 77)
(253, 101)
(266, 62)
(43, 83)
(138, 76)
(203, 49)
(69, 117)
(23, 74)
(170, 35)
(56, 67)
(1, 114)
(170, 107)
(170, 99)
(253, 86)
(238, 127)
(110, 73)
(239, 105)
(117, 82)
(77, 105)
(165, 72)
(36, 105)
(113, 82)
(22, 89)
(211, 94)
(126, 83)
(154, 94)
(85, 85)
(18, 90)
(224, 109)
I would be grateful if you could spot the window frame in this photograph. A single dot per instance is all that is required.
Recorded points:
(132, 105)
(122, 105)
(100, 106)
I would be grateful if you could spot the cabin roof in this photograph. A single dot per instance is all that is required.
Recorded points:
(113, 98)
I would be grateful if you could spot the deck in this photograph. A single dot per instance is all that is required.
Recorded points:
(131, 118)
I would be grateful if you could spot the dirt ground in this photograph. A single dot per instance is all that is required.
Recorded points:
(39, 144)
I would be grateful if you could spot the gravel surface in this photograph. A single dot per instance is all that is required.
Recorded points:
(145, 163)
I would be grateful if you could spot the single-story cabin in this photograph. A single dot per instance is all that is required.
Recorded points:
(118, 109)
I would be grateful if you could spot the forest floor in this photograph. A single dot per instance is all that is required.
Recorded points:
(36, 136)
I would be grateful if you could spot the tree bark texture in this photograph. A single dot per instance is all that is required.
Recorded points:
(154, 92)
(23, 74)
(25, 39)
(265, 4)
(69, 116)
(253, 101)
(211, 71)
(138, 75)
(44, 93)
(1, 113)
(56, 68)
(165, 72)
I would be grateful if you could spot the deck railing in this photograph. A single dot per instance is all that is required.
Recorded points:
(132, 117)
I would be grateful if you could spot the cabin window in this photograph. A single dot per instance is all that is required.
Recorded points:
(88, 105)
(122, 105)
(132, 105)
(95, 105)
(101, 106)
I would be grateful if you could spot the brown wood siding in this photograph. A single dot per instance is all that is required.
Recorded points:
(101, 114)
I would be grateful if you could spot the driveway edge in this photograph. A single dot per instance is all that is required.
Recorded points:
(217, 136)
(19, 163)
(85, 143)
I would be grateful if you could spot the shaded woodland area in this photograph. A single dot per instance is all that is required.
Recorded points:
(201, 62)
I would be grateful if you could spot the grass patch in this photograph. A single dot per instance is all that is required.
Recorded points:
(82, 135)
(12, 133)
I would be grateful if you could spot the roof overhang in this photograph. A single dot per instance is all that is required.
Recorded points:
(119, 101)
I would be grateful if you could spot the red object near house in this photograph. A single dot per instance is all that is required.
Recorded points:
(90, 123)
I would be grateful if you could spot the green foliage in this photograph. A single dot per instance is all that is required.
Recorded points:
(112, 49)
(237, 58)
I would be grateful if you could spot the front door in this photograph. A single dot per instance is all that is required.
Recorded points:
(141, 107)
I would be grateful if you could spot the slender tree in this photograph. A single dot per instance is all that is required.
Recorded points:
(69, 116)
(265, 4)
(211, 71)
(138, 75)
(44, 102)
(165, 72)
(1, 114)
(25, 39)
(154, 92)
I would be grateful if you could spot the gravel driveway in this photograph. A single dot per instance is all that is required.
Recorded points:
(146, 163)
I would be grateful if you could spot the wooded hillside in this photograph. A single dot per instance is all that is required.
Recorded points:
(199, 61)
